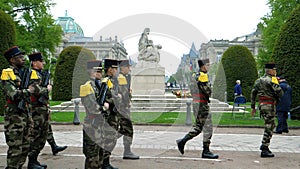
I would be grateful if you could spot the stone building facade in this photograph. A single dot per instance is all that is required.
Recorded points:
(102, 48)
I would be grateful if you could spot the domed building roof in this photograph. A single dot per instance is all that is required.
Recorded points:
(69, 26)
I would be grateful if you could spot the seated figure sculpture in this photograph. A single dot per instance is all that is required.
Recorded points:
(148, 52)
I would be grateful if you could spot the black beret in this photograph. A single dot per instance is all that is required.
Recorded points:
(110, 63)
(270, 66)
(202, 62)
(94, 64)
(12, 52)
(35, 57)
(125, 63)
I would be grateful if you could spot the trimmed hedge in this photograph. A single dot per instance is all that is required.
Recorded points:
(286, 54)
(237, 64)
(7, 40)
(70, 72)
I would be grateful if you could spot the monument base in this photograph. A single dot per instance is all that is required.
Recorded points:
(148, 79)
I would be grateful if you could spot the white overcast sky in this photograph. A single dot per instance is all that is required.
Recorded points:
(215, 19)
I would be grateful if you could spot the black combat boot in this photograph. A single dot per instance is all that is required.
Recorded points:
(107, 165)
(181, 143)
(56, 149)
(128, 154)
(207, 154)
(265, 152)
(34, 164)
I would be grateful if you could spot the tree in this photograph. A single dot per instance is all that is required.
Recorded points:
(287, 51)
(70, 72)
(270, 27)
(237, 64)
(35, 26)
(7, 40)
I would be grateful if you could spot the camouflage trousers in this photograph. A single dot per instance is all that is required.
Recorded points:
(39, 134)
(50, 137)
(203, 123)
(110, 130)
(267, 111)
(93, 152)
(125, 126)
(17, 125)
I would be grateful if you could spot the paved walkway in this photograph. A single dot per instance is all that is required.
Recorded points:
(164, 139)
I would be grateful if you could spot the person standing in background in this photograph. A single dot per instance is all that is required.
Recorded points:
(283, 107)
(237, 88)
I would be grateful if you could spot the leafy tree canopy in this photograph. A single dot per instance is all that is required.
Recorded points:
(271, 25)
(286, 53)
(35, 26)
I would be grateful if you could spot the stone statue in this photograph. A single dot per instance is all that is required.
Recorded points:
(147, 50)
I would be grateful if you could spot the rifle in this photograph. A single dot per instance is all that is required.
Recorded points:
(45, 78)
(45, 83)
(24, 85)
(101, 94)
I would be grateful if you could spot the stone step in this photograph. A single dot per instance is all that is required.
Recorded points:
(175, 109)
(171, 100)
(155, 103)
(179, 104)
(143, 109)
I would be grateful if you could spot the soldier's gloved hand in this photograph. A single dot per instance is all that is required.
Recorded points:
(34, 88)
(31, 89)
(49, 87)
(106, 106)
(120, 96)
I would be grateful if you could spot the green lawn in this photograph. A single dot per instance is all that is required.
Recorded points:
(223, 119)
(168, 118)
(53, 103)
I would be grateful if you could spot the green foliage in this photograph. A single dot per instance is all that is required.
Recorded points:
(271, 26)
(7, 40)
(35, 26)
(286, 54)
(171, 79)
(237, 64)
(70, 72)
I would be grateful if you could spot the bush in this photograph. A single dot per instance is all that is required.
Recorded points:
(286, 54)
(237, 64)
(7, 40)
(70, 72)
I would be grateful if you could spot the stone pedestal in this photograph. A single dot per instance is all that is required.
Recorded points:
(148, 79)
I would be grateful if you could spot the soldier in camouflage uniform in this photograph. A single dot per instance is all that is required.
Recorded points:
(111, 120)
(125, 124)
(93, 121)
(268, 90)
(39, 107)
(201, 91)
(17, 120)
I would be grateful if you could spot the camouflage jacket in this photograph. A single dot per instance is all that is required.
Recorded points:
(41, 95)
(124, 91)
(266, 86)
(11, 84)
(200, 88)
(112, 94)
(88, 93)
